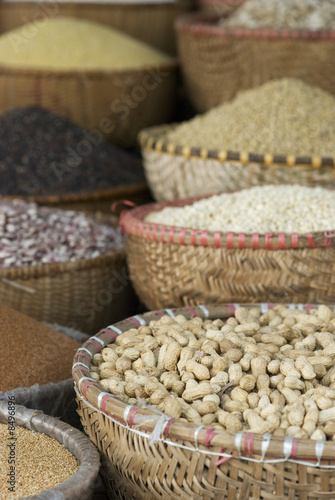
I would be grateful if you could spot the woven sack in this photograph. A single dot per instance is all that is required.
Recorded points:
(81, 485)
(54, 399)
(180, 171)
(93, 99)
(151, 22)
(84, 294)
(238, 59)
(185, 266)
(146, 455)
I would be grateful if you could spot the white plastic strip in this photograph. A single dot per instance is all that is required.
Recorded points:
(204, 310)
(101, 342)
(170, 313)
(85, 378)
(86, 350)
(265, 445)
(287, 447)
(301, 307)
(236, 305)
(292, 306)
(238, 441)
(80, 364)
(319, 447)
(206, 451)
(100, 398)
(112, 327)
(264, 308)
(140, 320)
(126, 414)
(196, 435)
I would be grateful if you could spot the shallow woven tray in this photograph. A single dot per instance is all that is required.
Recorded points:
(237, 59)
(84, 294)
(187, 461)
(177, 171)
(150, 22)
(172, 266)
(81, 485)
(96, 201)
(90, 98)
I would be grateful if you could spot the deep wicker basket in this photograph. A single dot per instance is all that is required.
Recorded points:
(81, 485)
(93, 99)
(180, 171)
(186, 461)
(234, 60)
(83, 294)
(219, 7)
(151, 22)
(186, 267)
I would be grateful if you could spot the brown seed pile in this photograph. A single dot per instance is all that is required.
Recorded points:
(271, 372)
(31, 235)
(284, 116)
(31, 352)
(284, 14)
(41, 463)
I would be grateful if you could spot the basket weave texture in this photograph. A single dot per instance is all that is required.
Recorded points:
(82, 484)
(91, 98)
(84, 294)
(190, 267)
(180, 171)
(151, 23)
(148, 456)
(237, 59)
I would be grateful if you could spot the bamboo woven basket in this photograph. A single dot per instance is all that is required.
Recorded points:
(81, 485)
(151, 22)
(84, 294)
(180, 171)
(186, 267)
(234, 60)
(219, 7)
(92, 99)
(147, 456)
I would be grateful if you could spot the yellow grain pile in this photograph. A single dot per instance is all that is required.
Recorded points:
(66, 43)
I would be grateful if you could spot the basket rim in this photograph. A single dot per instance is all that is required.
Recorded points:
(202, 24)
(73, 440)
(84, 74)
(132, 223)
(97, 195)
(173, 430)
(8, 274)
(152, 139)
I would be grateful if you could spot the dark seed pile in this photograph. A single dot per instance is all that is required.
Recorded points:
(44, 154)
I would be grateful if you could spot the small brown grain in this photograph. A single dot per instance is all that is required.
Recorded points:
(41, 463)
(31, 352)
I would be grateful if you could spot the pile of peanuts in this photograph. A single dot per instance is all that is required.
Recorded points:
(267, 373)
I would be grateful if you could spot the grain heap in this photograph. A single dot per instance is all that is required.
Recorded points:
(283, 117)
(31, 235)
(69, 44)
(41, 463)
(44, 154)
(271, 372)
(284, 14)
(261, 209)
(31, 352)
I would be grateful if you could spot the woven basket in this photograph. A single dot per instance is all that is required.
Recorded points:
(177, 171)
(219, 7)
(234, 60)
(94, 99)
(81, 485)
(96, 201)
(187, 266)
(187, 461)
(84, 294)
(151, 22)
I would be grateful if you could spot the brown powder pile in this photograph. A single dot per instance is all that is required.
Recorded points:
(31, 352)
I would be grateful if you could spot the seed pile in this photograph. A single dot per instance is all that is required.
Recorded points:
(31, 352)
(284, 116)
(284, 14)
(31, 235)
(261, 209)
(41, 463)
(270, 373)
(65, 43)
(44, 154)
